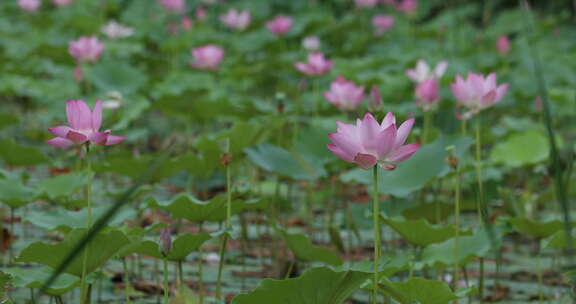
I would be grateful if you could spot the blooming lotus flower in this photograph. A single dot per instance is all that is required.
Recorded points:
(375, 103)
(207, 57)
(279, 25)
(422, 71)
(238, 20)
(408, 7)
(316, 65)
(175, 6)
(427, 94)
(344, 94)
(503, 45)
(86, 48)
(61, 2)
(369, 143)
(477, 92)
(382, 23)
(115, 30)
(365, 3)
(30, 6)
(83, 127)
(311, 43)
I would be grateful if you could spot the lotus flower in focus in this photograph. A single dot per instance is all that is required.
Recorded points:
(423, 72)
(207, 57)
(382, 23)
(115, 30)
(369, 143)
(30, 6)
(279, 25)
(86, 48)
(316, 65)
(477, 92)
(238, 20)
(427, 94)
(344, 94)
(311, 43)
(175, 6)
(503, 45)
(84, 126)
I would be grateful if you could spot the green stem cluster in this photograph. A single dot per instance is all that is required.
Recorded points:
(376, 219)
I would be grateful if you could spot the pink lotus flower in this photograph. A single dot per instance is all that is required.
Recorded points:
(238, 20)
(375, 103)
(86, 49)
(368, 143)
(365, 3)
(503, 45)
(422, 71)
(84, 126)
(408, 7)
(201, 13)
(344, 94)
(187, 23)
(30, 6)
(207, 57)
(427, 94)
(311, 43)
(382, 23)
(61, 2)
(175, 6)
(316, 65)
(477, 93)
(279, 25)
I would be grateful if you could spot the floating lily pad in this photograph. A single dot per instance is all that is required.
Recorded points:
(182, 246)
(14, 193)
(419, 290)
(535, 228)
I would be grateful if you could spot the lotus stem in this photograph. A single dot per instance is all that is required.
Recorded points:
(427, 122)
(166, 285)
(84, 298)
(126, 281)
(376, 219)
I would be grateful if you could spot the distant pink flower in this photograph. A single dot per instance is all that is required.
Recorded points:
(279, 25)
(86, 48)
(427, 94)
(316, 65)
(503, 45)
(375, 103)
(369, 143)
(83, 127)
(187, 23)
(61, 2)
(382, 23)
(311, 43)
(238, 20)
(201, 13)
(30, 6)
(408, 7)
(423, 72)
(175, 6)
(477, 92)
(365, 3)
(207, 57)
(344, 94)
